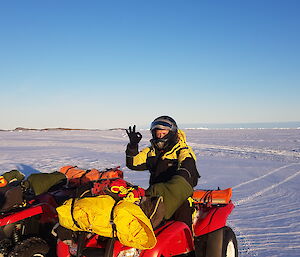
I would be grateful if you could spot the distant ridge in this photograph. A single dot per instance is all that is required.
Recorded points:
(44, 129)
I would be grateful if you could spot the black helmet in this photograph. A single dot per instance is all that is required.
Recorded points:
(164, 122)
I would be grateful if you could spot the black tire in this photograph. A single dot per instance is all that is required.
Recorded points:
(5, 246)
(219, 243)
(210, 244)
(230, 248)
(31, 247)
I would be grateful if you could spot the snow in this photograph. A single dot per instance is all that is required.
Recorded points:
(261, 165)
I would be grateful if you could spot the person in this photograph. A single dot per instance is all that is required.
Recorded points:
(172, 166)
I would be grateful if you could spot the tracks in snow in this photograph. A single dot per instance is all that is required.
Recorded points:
(271, 222)
(261, 192)
(265, 175)
(245, 152)
(268, 188)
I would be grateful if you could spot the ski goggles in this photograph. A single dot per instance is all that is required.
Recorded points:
(161, 125)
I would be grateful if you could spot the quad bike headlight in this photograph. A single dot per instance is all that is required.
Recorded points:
(132, 252)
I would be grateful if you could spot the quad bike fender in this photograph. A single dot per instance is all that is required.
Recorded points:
(62, 249)
(48, 214)
(15, 217)
(174, 238)
(212, 218)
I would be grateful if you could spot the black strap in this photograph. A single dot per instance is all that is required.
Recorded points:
(101, 174)
(86, 172)
(107, 170)
(207, 197)
(109, 248)
(81, 240)
(113, 225)
(72, 210)
(70, 169)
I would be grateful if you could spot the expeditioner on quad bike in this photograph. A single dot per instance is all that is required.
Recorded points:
(114, 218)
(171, 163)
(182, 222)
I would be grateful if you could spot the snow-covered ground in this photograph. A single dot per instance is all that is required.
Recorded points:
(262, 166)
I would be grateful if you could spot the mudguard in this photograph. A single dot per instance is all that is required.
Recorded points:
(174, 238)
(212, 218)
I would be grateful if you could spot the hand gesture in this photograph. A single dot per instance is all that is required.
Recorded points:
(134, 137)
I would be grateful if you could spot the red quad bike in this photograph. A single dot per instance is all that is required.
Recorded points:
(26, 222)
(25, 230)
(210, 236)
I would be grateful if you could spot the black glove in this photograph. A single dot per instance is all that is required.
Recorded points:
(134, 137)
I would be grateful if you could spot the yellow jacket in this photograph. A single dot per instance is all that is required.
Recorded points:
(173, 172)
(179, 160)
(185, 151)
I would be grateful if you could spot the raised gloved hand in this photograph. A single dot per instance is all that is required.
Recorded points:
(134, 137)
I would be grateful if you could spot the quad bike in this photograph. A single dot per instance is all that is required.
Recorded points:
(25, 227)
(210, 236)
(27, 219)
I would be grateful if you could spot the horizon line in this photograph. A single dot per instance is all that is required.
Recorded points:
(199, 125)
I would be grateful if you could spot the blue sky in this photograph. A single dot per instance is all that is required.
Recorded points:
(103, 64)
